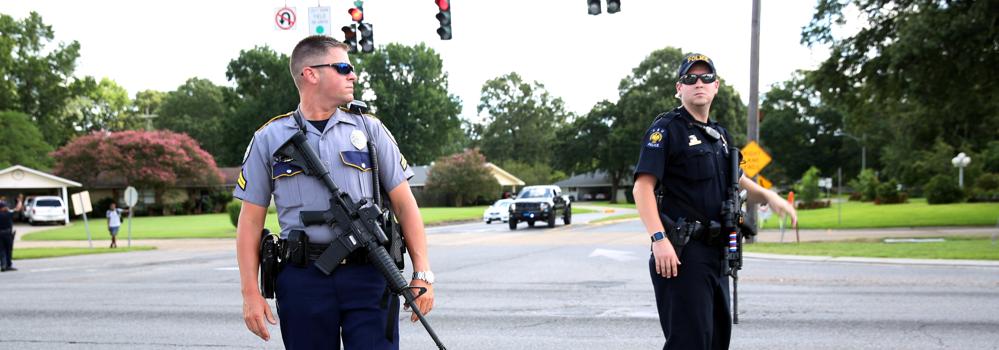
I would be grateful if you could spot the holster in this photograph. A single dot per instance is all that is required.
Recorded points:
(397, 243)
(295, 250)
(269, 263)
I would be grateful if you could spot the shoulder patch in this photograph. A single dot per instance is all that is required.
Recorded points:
(241, 181)
(656, 136)
(246, 154)
(275, 119)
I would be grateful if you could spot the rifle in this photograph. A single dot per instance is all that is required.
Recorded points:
(733, 222)
(360, 222)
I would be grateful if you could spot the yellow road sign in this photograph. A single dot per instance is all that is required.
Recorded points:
(764, 182)
(755, 159)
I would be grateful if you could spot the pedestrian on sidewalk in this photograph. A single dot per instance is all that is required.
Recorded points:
(114, 222)
(6, 238)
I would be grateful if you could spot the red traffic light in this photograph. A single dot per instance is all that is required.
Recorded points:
(444, 5)
(356, 15)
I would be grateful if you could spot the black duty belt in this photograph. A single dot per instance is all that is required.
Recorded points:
(356, 258)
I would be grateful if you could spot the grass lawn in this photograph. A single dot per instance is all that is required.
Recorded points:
(38, 253)
(207, 225)
(624, 205)
(913, 214)
(615, 217)
(974, 248)
(582, 211)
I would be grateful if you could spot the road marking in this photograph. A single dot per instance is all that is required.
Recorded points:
(232, 268)
(616, 255)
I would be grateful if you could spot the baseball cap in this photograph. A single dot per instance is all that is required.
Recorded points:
(690, 59)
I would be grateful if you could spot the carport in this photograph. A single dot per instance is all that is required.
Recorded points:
(22, 178)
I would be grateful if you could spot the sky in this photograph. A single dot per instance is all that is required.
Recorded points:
(579, 57)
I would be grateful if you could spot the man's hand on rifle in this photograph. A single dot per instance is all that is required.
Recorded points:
(667, 263)
(425, 302)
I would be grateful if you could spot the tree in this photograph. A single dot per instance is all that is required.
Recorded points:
(22, 142)
(146, 104)
(919, 70)
(145, 159)
(463, 178)
(35, 72)
(801, 131)
(264, 89)
(409, 86)
(521, 120)
(197, 108)
(97, 106)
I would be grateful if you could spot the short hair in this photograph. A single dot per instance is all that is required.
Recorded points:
(309, 50)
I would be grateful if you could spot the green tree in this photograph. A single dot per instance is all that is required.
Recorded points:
(264, 89)
(409, 86)
(197, 108)
(22, 142)
(35, 72)
(521, 120)
(916, 71)
(463, 178)
(146, 104)
(100, 105)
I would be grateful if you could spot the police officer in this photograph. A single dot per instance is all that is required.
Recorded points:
(317, 311)
(685, 153)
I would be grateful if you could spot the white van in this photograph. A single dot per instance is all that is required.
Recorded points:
(45, 208)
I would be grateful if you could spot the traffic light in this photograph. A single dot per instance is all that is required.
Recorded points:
(613, 6)
(350, 37)
(444, 17)
(367, 42)
(356, 14)
(594, 7)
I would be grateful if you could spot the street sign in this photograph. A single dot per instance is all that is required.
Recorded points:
(131, 196)
(285, 18)
(81, 203)
(319, 20)
(755, 159)
(764, 182)
(825, 182)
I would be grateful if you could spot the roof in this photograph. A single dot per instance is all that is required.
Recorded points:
(597, 178)
(502, 176)
(20, 176)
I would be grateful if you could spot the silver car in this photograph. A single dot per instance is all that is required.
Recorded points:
(499, 211)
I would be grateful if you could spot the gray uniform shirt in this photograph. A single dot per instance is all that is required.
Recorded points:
(342, 147)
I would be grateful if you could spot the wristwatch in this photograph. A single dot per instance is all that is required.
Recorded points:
(426, 276)
(658, 236)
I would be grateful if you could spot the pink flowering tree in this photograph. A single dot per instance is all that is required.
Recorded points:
(144, 159)
(462, 178)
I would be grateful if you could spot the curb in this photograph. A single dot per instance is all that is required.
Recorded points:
(888, 261)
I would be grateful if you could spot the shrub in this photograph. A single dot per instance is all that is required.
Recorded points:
(808, 189)
(943, 189)
(233, 208)
(887, 193)
(986, 189)
(866, 184)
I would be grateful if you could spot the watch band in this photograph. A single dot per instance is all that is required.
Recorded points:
(658, 236)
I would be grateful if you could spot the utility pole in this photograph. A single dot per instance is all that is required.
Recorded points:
(753, 120)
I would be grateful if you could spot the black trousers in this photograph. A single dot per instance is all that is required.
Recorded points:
(6, 248)
(693, 306)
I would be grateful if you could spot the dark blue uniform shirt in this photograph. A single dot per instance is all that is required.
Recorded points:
(690, 167)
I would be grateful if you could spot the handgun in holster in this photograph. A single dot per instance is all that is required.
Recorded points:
(269, 263)
(296, 248)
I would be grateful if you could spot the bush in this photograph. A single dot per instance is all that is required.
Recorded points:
(986, 189)
(943, 189)
(233, 208)
(808, 188)
(887, 193)
(866, 185)
(812, 205)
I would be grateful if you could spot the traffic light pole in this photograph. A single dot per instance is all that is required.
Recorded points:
(753, 120)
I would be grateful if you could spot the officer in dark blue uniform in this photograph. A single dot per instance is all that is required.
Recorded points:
(316, 310)
(684, 160)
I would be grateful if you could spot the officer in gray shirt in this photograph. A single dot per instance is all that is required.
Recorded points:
(315, 308)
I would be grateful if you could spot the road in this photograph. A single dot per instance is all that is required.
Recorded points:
(576, 287)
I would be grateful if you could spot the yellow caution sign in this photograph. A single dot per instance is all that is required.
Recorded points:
(764, 182)
(755, 159)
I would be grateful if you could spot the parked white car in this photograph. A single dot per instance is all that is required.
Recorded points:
(499, 211)
(45, 209)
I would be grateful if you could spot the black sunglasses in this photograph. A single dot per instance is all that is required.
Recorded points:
(342, 68)
(691, 79)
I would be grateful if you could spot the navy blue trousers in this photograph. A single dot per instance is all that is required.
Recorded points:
(693, 307)
(316, 310)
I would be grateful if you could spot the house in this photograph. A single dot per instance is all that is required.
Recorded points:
(595, 185)
(505, 179)
(20, 179)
